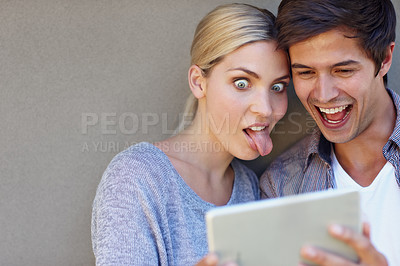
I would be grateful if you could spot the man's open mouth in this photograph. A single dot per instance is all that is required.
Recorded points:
(335, 115)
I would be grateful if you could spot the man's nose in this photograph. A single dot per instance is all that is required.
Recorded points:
(325, 89)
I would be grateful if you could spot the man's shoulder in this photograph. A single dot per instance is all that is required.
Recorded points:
(285, 174)
(294, 157)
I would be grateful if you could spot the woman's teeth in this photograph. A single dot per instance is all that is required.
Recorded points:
(333, 110)
(257, 128)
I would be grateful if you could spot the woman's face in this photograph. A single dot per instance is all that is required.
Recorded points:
(245, 96)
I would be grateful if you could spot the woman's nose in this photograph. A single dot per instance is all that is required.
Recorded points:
(260, 104)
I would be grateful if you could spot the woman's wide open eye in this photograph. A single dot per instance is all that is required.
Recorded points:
(241, 84)
(278, 87)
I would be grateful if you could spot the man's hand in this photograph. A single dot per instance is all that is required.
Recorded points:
(361, 243)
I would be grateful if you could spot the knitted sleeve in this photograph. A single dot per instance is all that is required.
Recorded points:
(127, 217)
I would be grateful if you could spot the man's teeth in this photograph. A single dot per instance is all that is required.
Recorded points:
(331, 121)
(257, 128)
(333, 110)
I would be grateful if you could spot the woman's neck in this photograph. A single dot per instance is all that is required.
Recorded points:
(204, 168)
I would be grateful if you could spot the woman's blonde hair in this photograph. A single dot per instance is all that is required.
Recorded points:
(222, 31)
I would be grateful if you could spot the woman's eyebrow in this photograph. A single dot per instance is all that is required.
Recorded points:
(282, 78)
(251, 73)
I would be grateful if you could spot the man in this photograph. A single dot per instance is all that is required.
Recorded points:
(340, 53)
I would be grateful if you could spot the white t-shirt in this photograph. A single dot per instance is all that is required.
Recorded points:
(380, 206)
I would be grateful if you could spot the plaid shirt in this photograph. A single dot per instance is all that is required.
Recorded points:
(307, 166)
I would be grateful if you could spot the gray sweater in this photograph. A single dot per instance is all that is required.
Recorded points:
(145, 214)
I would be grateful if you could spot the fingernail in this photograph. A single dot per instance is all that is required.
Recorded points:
(336, 229)
(309, 252)
(211, 259)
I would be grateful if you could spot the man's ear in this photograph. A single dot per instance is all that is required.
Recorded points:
(197, 81)
(387, 62)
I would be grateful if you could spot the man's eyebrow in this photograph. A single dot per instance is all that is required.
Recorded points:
(344, 63)
(296, 65)
(251, 73)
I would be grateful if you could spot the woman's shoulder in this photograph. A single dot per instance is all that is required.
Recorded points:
(143, 152)
(142, 161)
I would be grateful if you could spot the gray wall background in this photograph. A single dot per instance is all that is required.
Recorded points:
(81, 81)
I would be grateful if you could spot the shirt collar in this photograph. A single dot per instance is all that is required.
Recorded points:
(395, 137)
(320, 146)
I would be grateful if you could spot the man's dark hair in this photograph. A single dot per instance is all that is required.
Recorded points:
(373, 23)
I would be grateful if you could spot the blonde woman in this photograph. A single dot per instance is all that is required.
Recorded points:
(150, 204)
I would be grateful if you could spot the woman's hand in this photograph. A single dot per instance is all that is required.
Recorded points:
(212, 260)
(361, 243)
(208, 260)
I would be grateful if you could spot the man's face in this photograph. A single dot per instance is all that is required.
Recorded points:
(335, 80)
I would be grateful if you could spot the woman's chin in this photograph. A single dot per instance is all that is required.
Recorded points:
(248, 156)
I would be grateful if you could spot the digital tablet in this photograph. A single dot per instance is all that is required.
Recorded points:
(272, 231)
